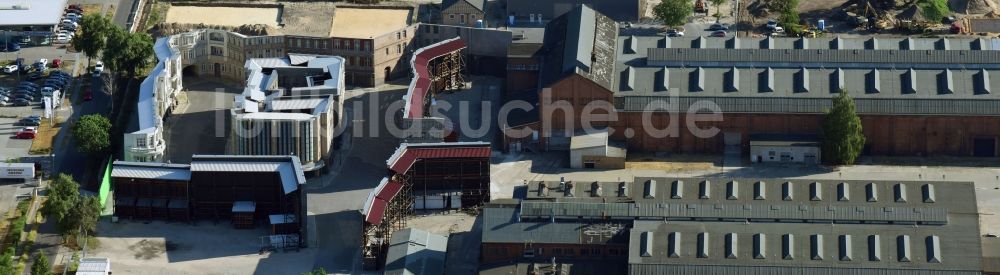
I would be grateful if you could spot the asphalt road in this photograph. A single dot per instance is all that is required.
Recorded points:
(68, 159)
(336, 198)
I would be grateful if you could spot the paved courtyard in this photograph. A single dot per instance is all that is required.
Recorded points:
(201, 123)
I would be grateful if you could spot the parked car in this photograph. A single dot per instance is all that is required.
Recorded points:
(29, 83)
(34, 76)
(23, 134)
(73, 16)
(10, 69)
(62, 38)
(675, 33)
(99, 67)
(718, 27)
(24, 97)
(771, 24)
(718, 34)
(29, 122)
(21, 102)
(12, 47)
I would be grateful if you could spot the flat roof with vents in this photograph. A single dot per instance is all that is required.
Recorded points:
(805, 248)
(948, 76)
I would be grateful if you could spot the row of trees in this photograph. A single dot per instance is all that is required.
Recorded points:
(119, 49)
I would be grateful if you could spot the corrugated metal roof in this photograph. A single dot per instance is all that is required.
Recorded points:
(420, 85)
(408, 153)
(151, 170)
(283, 103)
(288, 167)
(416, 252)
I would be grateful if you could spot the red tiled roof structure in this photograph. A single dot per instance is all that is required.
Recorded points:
(421, 82)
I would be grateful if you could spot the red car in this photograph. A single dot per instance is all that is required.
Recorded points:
(25, 134)
(87, 95)
(56, 62)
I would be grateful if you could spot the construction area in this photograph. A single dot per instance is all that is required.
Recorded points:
(290, 18)
(351, 22)
(861, 17)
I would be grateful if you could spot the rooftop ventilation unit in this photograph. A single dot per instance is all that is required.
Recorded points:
(699, 79)
(569, 189)
(623, 189)
(646, 244)
(704, 189)
(942, 44)
(903, 248)
(815, 191)
(839, 80)
(732, 190)
(837, 43)
(871, 44)
(664, 83)
(595, 189)
(845, 248)
(733, 80)
(699, 43)
(629, 79)
(843, 192)
(788, 247)
(933, 249)
(731, 246)
(875, 81)
(802, 43)
(759, 246)
(543, 191)
(907, 44)
(983, 82)
(874, 248)
(786, 191)
(677, 189)
(816, 247)
(703, 245)
(948, 78)
(900, 190)
(674, 245)
(649, 189)
(803, 82)
(910, 82)
(980, 44)
(928, 190)
(759, 191)
(871, 190)
(734, 43)
(769, 80)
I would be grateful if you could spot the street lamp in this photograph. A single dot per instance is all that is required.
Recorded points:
(52, 169)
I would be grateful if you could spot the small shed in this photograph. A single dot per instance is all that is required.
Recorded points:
(785, 148)
(594, 150)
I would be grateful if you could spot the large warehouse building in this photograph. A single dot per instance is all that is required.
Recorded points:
(742, 226)
(32, 22)
(246, 190)
(916, 96)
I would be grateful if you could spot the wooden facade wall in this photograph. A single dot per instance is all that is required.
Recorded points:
(470, 176)
(213, 194)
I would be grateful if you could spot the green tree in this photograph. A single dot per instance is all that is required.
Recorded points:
(63, 196)
(93, 35)
(790, 22)
(842, 134)
(318, 271)
(718, 7)
(673, 12)
(40, 266)
(127, 52)
(7, 265)
(784, 6)
(934, 10)
(91, 134)
(84, 216)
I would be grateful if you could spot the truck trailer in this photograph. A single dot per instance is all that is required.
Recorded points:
(17, 171)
